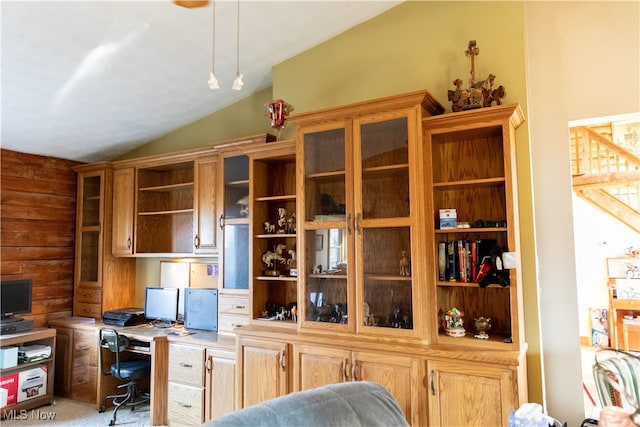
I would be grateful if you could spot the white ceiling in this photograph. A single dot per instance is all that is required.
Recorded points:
(90, 80)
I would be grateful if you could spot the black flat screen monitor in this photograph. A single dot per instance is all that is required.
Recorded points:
(15, 298)
(161, 306)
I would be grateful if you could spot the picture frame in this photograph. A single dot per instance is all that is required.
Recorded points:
(319, 242)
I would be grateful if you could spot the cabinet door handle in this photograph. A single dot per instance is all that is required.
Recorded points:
(348, 223)
(184, 405)
(196, 241)
(186, 365)
(282, 365)
(354, 369)
(432, 381)
(345, 372)
(357, 223)
(241, 307)
(221, 222)
(129, 243)
(209, 364)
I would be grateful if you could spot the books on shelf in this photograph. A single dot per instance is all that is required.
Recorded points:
(459, 260)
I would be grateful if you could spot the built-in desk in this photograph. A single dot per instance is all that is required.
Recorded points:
(159, 341)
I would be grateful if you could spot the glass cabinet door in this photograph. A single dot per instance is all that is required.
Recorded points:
(327, 229)
(383, 222)
(235, 223)
(90, 228)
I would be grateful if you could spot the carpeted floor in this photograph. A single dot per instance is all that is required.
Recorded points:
(67, 412)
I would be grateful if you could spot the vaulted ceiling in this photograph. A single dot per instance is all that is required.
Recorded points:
(90, 80)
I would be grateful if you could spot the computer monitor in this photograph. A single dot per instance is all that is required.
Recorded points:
(161, 306)
(15, 298)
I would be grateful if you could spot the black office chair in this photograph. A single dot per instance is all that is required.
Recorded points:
(131, 370)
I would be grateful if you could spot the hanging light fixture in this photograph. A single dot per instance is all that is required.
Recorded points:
(213, 81)
(237, 82)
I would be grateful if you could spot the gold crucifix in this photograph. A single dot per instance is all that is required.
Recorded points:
(472, 51)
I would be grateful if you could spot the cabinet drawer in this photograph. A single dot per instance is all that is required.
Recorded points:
(233, 305)
(185, 405)
(88, 310)
(226, 323)
(91, 295)
(85, 347)
(186, 364)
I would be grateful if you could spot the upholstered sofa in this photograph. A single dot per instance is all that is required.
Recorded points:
(350, 404)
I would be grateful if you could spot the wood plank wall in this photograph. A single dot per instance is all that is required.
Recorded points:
(37, 229)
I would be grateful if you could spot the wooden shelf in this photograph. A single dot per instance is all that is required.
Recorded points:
(170, 212)
(275, 236)
(171, 187)
(276, 198)
(470, 230)
(468, 285)
(469, 182)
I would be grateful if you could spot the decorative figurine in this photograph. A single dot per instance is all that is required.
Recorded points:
(270, 259)
(244, 206)
(291, 224)
(482, 325)
(278, 111)
(368, 318)
(269, 228)
(404, 264)
(282, 220)
(479, 93)
(294, 313)
(397, 317)
(454, 322)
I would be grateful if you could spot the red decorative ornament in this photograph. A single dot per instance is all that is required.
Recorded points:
(278, 111)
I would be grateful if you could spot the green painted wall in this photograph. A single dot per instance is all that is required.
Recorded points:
(246, 117)
(416, 45)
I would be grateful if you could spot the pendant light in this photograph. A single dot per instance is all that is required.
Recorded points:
(237, 82)
(213, 81)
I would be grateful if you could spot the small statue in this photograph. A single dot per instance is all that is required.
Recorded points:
(404, 264)
(244, 206)
(454, 323)
(397, 317)
(482, 325)
(294, 313)
(479, 93)
(368, 318)
(269, 228)
(282, 220)
(291, 224)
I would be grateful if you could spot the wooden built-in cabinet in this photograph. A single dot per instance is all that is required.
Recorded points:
(233, 225)
(186, 391)
(315, 366)
(470, 393)
(262, 371)
(220, 383)
(274, 287)
(359, 216)
(123, 211)
(470, 167)
(76, 359)
(101, 281)
(343, 225)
